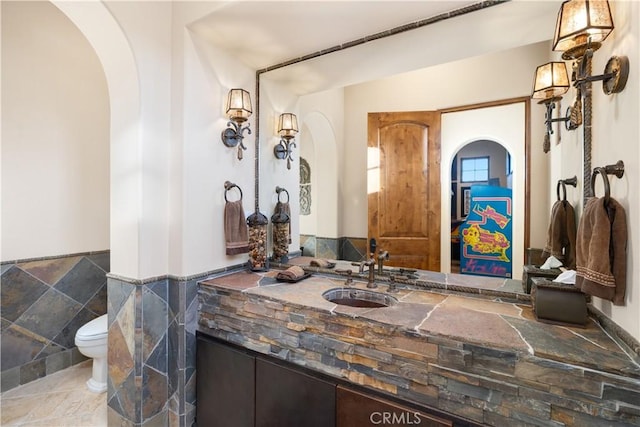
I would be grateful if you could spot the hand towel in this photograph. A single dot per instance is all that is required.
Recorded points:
(602, 250)
(561, 235)
(291, 273)
(236, 232)
(283, 207)
(318, 262)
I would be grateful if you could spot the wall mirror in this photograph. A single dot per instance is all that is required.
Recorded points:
(326, 94)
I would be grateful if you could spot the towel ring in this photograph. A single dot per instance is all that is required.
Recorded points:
(228, 186)
(605, 180)
(617, 170)
(562, 182)
(282, 190)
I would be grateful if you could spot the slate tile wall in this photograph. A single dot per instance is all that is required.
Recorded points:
(345, 248)
(152, 352)
(43, 303)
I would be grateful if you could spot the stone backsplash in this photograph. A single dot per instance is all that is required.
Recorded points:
(345, 248)
(44, 302)
(491, 386)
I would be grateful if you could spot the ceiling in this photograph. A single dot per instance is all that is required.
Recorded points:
(265, 33)
(262, 34)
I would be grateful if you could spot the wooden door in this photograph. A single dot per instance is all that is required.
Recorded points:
(404, 187)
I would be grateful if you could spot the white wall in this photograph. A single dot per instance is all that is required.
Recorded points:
(505, 125)
(202, 162)
(322, 114)
(55, 136)
(615, 136)
(309, 222)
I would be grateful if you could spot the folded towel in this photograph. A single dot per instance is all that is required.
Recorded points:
(561, 235)
(551, 262)
(602, 250)
(318, 262)
(235, 228)
(284, 208)
(291, 273)
(568, 276)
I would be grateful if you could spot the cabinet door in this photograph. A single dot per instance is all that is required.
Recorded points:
(225, 386)
(289, 398)
(355, 409)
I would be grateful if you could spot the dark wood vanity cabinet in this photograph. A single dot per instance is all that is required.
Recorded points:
(225, 385)
(236, 388)
(240, 388)
(288, 397)
(357, 409)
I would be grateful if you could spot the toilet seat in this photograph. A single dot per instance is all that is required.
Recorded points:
(95, 330)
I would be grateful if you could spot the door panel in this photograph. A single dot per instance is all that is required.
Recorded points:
(225, 386)
(404, 187)
(289, 398)
(355, 409)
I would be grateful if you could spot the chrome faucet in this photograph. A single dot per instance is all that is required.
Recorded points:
(382, 255)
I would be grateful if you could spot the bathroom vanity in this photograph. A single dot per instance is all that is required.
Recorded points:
(288, 356)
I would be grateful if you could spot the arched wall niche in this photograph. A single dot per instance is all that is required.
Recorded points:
(97, 24)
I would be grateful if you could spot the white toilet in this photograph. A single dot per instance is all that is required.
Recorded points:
(91, 340)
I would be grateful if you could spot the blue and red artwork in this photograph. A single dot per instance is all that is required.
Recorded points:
(487, 233)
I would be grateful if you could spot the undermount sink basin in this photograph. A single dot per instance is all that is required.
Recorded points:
(359, 298)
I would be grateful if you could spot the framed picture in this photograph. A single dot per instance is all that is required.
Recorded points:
(465, 201)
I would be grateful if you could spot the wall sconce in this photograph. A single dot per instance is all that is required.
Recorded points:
(287, 128)
(550, 82)
(581, 28)
(238, 111)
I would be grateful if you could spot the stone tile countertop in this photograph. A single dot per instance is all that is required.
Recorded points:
(474, 319)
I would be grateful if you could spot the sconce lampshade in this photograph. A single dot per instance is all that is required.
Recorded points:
(239, 105)
(551, 81)
(287, 125)
(580, 22)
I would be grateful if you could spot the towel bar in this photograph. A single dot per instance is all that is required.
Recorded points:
(228, 186)
(564, 182)
(616, 169)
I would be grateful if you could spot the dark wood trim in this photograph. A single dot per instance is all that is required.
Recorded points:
(527, 177)
(488, 104)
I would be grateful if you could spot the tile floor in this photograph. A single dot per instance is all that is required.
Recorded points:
(57, 400)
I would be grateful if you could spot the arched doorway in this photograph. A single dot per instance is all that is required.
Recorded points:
(479, 162)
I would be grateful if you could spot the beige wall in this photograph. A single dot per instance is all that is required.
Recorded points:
(615, 137)
(439, 87)
(55, 136)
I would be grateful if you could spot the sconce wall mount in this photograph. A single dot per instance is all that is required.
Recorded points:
(581, 27)
(287, 129)
(238, 110)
